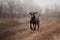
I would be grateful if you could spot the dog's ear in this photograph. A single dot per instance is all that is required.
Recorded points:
(30, 13)
(35, 12)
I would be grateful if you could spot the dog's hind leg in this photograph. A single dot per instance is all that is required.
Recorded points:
(34, 27)
(31, 26)
(38, 27)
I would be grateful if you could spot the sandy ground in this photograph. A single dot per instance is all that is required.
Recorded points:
(12, 30)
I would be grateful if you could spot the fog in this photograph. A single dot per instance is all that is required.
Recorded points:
(21, 8)
(16, 20)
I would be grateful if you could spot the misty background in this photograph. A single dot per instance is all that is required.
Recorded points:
(21, 8)
(15, 19)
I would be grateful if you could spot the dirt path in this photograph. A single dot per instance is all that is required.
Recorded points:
(49, 30)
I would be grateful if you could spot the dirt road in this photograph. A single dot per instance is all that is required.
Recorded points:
(49, 30)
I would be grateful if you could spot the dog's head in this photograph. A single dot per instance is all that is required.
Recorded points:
(33, 13)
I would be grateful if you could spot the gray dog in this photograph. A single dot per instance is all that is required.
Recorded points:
(34, 21)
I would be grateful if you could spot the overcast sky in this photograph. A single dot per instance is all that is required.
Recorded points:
(42, 3)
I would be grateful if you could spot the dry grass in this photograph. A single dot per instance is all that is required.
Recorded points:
(19, 30)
